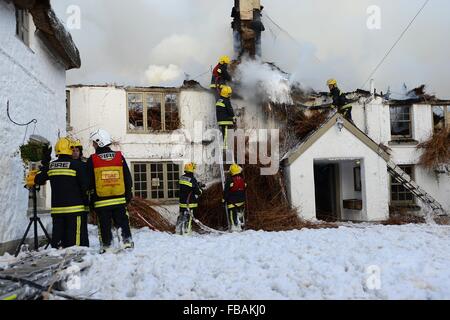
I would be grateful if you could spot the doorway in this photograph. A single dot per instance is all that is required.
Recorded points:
(326, 177)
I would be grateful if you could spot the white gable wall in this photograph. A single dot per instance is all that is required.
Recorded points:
(33, 81)
(336, 145)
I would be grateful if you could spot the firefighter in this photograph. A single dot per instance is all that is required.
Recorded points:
(69, 184)
(220, 75)
(77, 155)
(226, 118)
(110, 185)
(339, 100)
(77, 151)
(234, 197)
(190, 191)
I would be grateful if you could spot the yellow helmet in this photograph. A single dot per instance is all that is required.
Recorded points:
(76, 144)
(63, 146)
(190, 167)
(224, 60)
(235, 169)
(332, 82)
(226, 91)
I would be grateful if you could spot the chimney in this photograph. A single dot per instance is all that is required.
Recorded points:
(372, 87)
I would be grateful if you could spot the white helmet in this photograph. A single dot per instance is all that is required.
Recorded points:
(101, 137)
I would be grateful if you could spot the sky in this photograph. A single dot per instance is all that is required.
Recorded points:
(155, 42)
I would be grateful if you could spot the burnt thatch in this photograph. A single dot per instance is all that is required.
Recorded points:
(436, 150)
(267, 208)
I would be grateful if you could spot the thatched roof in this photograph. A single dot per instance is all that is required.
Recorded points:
(52, 31)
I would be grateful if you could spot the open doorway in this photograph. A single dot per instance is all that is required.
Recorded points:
(326, 177)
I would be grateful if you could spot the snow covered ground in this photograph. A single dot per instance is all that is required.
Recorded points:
(352, 262)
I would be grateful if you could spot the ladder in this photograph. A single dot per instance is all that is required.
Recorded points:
(402, 177)
(222, 174)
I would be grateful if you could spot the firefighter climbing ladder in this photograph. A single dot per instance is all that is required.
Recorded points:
(402, 177)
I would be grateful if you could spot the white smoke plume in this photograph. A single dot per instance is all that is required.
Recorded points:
(262, 81)
(161, 75)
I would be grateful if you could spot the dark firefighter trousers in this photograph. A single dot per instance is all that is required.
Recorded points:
(233, 211)
(70, 230)
(119, 215)
(225, 129)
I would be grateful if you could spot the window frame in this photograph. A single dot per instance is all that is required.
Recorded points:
(395, 137)
(166, 199)
(446, 110)
(403, 203)
(162, 94)
(23, 26)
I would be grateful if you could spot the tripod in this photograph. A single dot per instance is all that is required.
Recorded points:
(34, 220)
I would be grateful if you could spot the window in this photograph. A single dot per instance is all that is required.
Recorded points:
(399, 194)
(152, 111)
(156, 180)
(439, 117)
(401, 122)
(23, 26)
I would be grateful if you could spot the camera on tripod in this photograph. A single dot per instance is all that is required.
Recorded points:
(37, 150)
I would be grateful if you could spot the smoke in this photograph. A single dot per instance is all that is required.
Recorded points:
(312, 40)
(163, 75)
(262, 81)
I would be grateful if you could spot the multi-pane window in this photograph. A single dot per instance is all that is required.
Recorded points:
(140, 180)
(23, 25)
(399, 194)
(439, 117)
(156, 180)
(152, 111)
(401, 126)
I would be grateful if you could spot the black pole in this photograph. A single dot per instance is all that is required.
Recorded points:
(35, 218)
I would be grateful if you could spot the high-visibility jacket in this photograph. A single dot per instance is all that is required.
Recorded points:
(110, 179)
(220, 75)
(69, 184)
(234, 193)
(224, 112)
(189, 191)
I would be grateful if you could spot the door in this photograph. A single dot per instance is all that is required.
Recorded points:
(326, 191)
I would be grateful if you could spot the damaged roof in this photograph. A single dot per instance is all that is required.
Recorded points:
(52, 31)
(415, 96)
(187, 85)
(330, 121)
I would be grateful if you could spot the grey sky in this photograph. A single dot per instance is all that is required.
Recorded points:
(120, 40)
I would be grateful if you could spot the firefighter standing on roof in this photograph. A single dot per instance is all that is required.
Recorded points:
(69, 184)
(339, 100)
(110, 185)
(226, 118)
(190, 191)
(220, 75)
(234, 197)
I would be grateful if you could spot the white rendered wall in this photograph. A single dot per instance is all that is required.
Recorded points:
(106, 107)
(34, 83)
